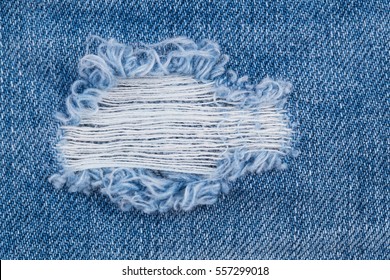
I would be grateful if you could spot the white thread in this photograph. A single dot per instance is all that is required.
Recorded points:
(170, 123)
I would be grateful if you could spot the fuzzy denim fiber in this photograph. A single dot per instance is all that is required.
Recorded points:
(331, 203)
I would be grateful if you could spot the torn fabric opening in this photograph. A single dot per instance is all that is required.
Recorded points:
(165, 126)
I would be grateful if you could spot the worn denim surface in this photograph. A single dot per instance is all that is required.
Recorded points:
(332, 202)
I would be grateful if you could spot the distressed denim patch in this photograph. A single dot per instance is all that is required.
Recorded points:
(166, 126)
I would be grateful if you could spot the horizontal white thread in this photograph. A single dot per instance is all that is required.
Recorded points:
(170, 123)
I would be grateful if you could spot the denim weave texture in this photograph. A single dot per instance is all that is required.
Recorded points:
(331, 203)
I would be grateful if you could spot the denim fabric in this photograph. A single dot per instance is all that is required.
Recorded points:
(331, 203)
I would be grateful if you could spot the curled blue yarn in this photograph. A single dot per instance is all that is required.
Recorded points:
(151, 190)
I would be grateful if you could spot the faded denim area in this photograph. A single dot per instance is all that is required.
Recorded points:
(331, 203)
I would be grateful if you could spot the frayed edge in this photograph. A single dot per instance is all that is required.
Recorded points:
(150, 190)
(144, 189)
(268, 92)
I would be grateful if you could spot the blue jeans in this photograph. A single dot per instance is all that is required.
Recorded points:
(331, 203)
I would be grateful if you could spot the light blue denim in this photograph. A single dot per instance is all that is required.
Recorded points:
(331, 203)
